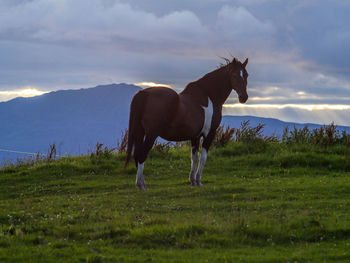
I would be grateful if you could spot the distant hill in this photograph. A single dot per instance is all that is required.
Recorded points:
(75, 120)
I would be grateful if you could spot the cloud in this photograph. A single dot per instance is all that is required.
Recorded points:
(299, 48)
(120, 26)
(116, 25)
(313, 32)
(239, 25)
(151, 84)
(318, 29)
(25, 92)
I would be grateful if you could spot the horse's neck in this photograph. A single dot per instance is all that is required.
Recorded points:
(216, 85)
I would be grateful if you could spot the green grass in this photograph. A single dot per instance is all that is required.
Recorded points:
(260, 203)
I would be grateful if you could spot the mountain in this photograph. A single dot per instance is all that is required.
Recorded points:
(75, 120)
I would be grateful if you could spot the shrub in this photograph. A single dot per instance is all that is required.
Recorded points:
(52, 152)
(345, 139)
(100, 152)
(123, 143)
(323, 136)
(223, 136)
(247, 134)
(301, 135)
(162, 148)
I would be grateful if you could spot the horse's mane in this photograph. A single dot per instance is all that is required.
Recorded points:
(195, 86)
(225, 63)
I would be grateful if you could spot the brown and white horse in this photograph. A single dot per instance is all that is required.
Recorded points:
(190, 115)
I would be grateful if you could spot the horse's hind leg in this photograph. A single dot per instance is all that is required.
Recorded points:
(194, 160)
(141, 152)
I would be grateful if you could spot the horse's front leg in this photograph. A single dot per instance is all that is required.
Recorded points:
(140, 182)
(194, 160)
(205, 148)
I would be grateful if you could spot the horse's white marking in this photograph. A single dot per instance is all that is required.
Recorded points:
(194, 163)
(139, 177)
(241, 73)
(201, 166)
(208, 115)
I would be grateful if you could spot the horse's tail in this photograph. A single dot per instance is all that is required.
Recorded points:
(136, 109)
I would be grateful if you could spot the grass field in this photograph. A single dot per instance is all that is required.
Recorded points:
(268, 202)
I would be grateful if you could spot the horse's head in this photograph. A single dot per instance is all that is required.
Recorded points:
(239, 78)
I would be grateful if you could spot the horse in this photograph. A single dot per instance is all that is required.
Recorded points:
(192, 114)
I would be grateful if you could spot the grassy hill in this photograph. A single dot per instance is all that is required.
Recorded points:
(261, 202)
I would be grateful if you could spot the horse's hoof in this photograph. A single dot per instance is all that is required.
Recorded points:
(142, 187)
(193, 183)
(199, 184)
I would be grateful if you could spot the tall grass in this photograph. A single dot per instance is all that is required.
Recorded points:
(122, 144)
(245, 133)
(326, 135)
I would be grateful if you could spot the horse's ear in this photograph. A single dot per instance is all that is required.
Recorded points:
(234, 60)
(245, 63)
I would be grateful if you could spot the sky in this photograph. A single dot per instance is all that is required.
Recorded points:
(299, 51)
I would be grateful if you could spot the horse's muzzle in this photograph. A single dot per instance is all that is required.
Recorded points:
(243, 99)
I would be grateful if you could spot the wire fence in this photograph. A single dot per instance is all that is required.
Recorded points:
(20, 152)
(10, 157)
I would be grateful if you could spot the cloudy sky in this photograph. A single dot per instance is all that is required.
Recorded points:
(299, 51)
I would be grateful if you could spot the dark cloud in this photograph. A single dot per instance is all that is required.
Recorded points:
(321, 31)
